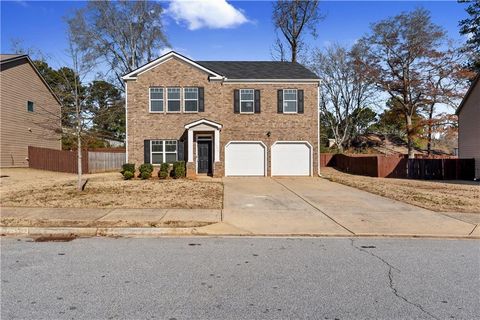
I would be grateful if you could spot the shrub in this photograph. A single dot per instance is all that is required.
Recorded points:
(127, 175)
(145, 175)
(128, 167)
(179, 169)
(164, 168)
(146, 170)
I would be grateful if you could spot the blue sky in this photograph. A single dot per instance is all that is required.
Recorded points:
(248, 35)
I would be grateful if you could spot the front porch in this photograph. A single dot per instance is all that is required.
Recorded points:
(203, 147)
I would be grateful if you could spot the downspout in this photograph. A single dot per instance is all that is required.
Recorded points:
(318, 128)
(126, 121)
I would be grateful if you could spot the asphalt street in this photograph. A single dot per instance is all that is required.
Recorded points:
(240, 278)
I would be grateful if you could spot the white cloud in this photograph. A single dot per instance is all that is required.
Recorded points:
(213, 14)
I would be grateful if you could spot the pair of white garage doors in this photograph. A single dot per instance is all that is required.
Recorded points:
(248, 158)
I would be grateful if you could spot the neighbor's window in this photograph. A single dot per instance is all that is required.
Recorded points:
(290, 101)
(246, 100)
(163, 151)
(190, 99)
(173, 99)
(30, 106)
(156, 99)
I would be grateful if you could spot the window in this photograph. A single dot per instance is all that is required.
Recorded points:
(190, 99)
(163, 151)
(290, 101)
(173, 99)
(156, 99)
(246, 100)
(30, 106)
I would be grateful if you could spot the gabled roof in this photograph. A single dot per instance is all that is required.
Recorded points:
(8, 58)
(203, 121)
(465, 98)
(238, 70)
(260, 70)
(172, 54)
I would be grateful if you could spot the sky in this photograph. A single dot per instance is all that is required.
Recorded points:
(217, 29)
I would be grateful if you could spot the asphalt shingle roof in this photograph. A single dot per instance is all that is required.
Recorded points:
(259, 69)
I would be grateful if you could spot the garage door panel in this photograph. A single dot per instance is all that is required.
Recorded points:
(245, 159)
(291, 159)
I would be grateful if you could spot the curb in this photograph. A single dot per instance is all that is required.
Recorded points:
(158, 232)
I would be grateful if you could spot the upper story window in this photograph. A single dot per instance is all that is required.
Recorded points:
(290, 101)
(163, 151)
(246, 100)
(190, 99)
(30, 106)
(173, 100)
(156, 99)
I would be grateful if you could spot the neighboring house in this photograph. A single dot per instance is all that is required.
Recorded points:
(232, 118)
(469, 125)
(29, 111)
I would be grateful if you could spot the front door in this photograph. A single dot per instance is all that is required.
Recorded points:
(204, 156)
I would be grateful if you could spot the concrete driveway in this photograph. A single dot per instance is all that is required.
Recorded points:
(305, 205)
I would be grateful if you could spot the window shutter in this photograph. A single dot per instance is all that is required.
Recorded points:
(180, 152)
(257, 101)
(201, 101)
(280, 101)
(146, 151)
(300, 101)
(236, 101)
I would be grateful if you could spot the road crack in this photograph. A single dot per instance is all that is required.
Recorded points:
(391, 283)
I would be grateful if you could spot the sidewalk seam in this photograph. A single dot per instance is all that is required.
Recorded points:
(473, 230)
(308, 202)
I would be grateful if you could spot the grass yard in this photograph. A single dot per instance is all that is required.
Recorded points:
(444, 196)
(36, 188)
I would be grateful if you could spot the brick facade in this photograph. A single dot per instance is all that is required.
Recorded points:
(218, 99)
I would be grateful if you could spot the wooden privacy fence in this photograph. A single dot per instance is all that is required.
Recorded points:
(401, 167)
(66, 161)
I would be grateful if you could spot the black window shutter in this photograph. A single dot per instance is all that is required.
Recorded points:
(257, 101)
(146, 151)
(201, 100)
(180, 148)
(300, 101)
(236, 101)
(280, 101)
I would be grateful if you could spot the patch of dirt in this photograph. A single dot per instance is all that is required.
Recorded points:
(36, 188)
(55, 238)
(442, 196)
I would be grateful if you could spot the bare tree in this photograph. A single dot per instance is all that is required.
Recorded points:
(292, 17)
(123, 35)
(401, 50)
(345, 91)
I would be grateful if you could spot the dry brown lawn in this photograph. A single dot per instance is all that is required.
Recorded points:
(444, 196)
(36, 188)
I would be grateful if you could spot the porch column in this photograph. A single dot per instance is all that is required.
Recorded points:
(217, 145)
(190, 145)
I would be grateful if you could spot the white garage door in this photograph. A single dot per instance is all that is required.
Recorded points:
(245, 159)
(291, 159)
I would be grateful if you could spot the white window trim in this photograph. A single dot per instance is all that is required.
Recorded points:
(179, 99)
(296, 101)
(240, 103)
(185, 99)
(150, 100)
(164, 152)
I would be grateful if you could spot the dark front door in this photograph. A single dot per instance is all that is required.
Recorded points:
(204, 156)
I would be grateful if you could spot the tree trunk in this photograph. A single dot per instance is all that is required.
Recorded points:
(411, 153)
(294, 51)
(79, 162)
(429, 131)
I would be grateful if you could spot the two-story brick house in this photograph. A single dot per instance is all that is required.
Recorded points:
(232, 118)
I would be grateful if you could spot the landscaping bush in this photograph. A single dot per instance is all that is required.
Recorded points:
(127, 175)
(164, 168)
(146, 170)
(128, 167)
(179, 169)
